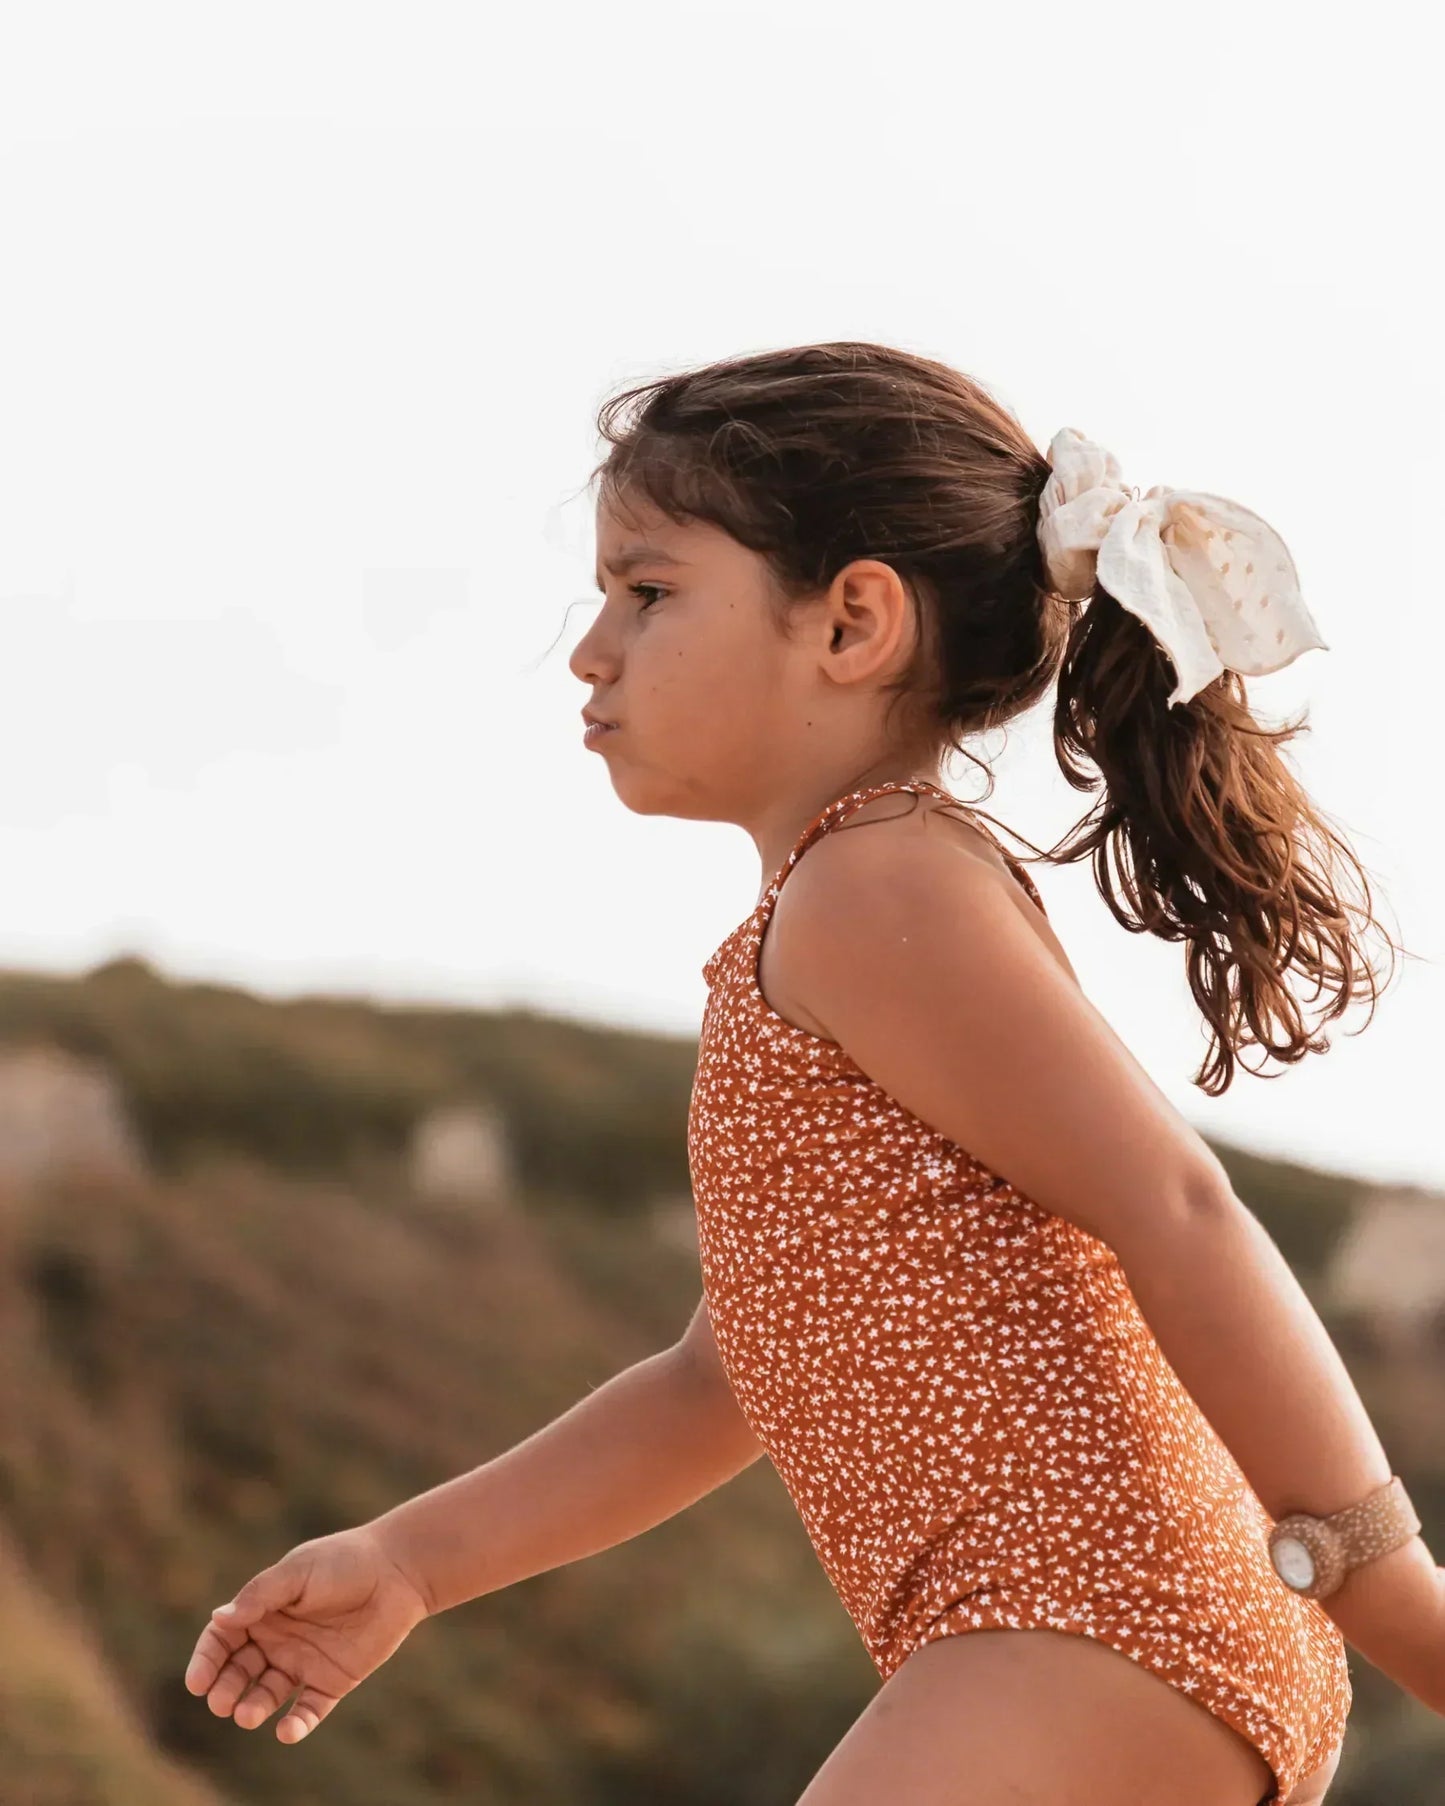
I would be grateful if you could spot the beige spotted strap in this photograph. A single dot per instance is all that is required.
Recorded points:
(1383, 1520)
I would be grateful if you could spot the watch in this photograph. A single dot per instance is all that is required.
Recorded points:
(1313, 1555)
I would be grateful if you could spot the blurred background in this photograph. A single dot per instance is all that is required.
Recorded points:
(347, 1019)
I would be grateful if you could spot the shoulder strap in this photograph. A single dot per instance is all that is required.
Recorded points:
(834, 813)
(1014, 864)
(844, 805)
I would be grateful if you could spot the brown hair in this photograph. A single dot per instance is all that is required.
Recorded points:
(817, 455)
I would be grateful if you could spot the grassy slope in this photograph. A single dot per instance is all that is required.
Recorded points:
(273, 1339)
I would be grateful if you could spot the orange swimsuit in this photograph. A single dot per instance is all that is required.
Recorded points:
(958, 1389)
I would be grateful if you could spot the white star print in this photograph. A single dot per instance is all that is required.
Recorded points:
(1053, 1474)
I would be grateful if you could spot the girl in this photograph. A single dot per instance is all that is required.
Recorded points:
(1070, 1442)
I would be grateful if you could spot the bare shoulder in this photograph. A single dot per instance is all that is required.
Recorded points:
(942, 980)
(935, 835)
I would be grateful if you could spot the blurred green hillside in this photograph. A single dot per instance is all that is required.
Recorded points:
(273, 1324)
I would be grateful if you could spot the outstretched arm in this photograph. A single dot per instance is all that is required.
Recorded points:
(649, 1442)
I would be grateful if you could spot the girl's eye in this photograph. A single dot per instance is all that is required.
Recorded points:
(636, 589)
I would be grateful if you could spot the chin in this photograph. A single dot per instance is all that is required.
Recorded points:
(656, 793)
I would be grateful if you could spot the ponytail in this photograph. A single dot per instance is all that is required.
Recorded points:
(1213, 839)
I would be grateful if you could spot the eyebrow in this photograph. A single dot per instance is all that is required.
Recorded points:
(631, 555)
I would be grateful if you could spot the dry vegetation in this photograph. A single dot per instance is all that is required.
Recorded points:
(268, 1335)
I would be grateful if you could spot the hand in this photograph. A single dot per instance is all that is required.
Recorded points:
(319, 1620)
(1392, 1610)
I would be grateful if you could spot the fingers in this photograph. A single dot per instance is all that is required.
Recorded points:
(264, 1687)
(271, 1590)
(215, 1646)
(245, 1666)
(268, 1692)
(306, 1713)
(272, 1690)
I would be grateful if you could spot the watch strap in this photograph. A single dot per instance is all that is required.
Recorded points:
(1373, 1526)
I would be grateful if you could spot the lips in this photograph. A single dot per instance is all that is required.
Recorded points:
(597, 730)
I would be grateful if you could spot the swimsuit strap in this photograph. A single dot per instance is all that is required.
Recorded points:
(844, 805)
(1011, 860)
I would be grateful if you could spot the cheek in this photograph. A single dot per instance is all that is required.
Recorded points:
(718, 665)
(687, 658)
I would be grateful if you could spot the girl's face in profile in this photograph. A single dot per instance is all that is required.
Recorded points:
(708, 695)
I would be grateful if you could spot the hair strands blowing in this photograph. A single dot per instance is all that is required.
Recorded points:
(818, 455)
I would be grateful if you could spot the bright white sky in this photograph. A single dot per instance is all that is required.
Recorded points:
(306, 316)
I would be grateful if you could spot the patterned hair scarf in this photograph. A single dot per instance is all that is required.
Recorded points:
(1212, 582)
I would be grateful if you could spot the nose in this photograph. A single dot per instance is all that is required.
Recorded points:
(588, 662)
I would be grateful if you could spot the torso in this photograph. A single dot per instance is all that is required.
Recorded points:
(956, 1385)
(914, 817)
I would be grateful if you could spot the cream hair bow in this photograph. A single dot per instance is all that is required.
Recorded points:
(1212, 582)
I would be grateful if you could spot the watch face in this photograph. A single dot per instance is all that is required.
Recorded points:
(1293, 1562)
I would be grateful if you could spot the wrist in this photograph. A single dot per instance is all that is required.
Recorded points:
(389, 1539)
(1314, 1554)
(1393, 1611)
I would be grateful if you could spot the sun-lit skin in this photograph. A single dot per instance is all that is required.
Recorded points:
(721, 716)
